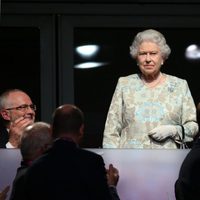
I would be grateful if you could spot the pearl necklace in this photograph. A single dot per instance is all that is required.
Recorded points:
(154, 82)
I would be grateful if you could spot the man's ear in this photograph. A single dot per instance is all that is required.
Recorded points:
(82, 130)
(4, 114)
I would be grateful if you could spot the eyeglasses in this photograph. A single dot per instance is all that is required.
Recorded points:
(23, 107)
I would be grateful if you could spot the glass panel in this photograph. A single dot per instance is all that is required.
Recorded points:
(94, 87)
(20, 61)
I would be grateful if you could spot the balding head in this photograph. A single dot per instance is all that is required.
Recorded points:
(35, 139)
(67, 120)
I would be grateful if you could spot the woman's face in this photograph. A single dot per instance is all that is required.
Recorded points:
(149, 58)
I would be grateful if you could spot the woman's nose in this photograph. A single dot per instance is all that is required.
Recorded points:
(148, 57)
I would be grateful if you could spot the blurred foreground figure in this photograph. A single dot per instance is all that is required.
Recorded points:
(187, 186)
(35, 140)
(66, 171)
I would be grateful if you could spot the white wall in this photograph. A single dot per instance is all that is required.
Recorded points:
(144, 174)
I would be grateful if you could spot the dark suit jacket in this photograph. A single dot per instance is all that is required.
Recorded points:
(67, 172)
(18, 183)
(3, 136)
(187, 186)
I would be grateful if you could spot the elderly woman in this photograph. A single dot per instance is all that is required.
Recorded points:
(152, 109)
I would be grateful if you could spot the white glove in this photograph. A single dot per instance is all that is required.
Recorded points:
(162, 132)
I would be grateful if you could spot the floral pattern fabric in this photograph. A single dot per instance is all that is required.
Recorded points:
(136, 109)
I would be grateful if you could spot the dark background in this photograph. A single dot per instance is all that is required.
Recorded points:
(38, 56)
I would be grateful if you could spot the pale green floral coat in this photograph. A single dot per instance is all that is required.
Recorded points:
(136, 109)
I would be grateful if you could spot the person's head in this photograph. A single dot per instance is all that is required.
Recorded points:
(15, 103)
(35, 139)
(150, 50)
(68, 121)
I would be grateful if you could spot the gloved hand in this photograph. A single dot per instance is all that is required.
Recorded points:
(162, 132)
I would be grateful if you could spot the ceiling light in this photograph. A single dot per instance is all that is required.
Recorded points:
(88, 65)
(87, 51)
(192, 52)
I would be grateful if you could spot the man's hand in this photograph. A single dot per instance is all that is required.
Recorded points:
(16, 129)
(112, 175)
(4, 192)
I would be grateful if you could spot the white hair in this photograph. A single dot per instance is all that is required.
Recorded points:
(152, 36)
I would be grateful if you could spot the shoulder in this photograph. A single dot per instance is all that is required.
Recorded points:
(129, 77)
(175, 79)
(91, 157)
(129, 83)
(3, 137)
(21, 171)
(91, 154)
(124, 80)
(176, 84)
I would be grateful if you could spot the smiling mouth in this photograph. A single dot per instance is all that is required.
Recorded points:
(28, 117)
